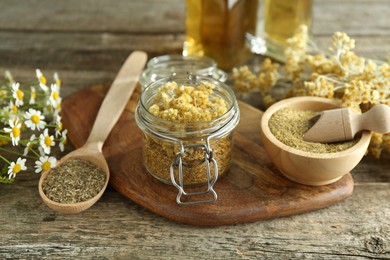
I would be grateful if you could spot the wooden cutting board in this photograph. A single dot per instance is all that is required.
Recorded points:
(252, 190)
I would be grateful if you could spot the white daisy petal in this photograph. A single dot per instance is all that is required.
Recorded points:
(45, 163)
(14, 131)
(34, 119)
(33, 96)
(29, 145)
(17, 94)
(42, 80)
(64, 140)
(55, 95)
(46, 141)
(15, 167)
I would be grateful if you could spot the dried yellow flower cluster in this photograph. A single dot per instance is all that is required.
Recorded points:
(187, 104)
(339, 74)
(246, 81)
(295, 52)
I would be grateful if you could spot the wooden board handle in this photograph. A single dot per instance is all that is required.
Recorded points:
(117, 97)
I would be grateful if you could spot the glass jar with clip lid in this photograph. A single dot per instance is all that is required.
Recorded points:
(177, 65)
(187, 125)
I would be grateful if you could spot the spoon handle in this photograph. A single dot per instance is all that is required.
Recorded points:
(117, 97)
(376, 119)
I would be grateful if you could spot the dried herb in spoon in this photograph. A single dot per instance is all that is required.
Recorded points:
(74, 181)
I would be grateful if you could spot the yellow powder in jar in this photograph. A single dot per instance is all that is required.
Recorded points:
(187, 104)
(288, 125)
(158, 156)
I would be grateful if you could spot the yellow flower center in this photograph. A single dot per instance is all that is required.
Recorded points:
(17, 168)
(19, 94)
(15, 131)
(14, 109)
(58, 106)
(33, 94)
(35, 119)
(55, 95)
(60, 126)
(48, 141)
(58, 81)
(42, 79)
(46, 166)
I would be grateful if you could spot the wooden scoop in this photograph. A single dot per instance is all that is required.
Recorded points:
(109, 113)
(342, 124)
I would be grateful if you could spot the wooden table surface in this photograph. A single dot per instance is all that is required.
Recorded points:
(86, 42)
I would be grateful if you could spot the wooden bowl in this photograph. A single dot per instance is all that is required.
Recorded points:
(306, 167)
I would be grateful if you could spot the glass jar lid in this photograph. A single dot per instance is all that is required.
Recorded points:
(177, 65)
(218, 126)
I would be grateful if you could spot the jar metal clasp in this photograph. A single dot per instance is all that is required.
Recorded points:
(178, 163)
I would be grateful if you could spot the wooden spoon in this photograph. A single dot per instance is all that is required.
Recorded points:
(342, 124)
(109, 113)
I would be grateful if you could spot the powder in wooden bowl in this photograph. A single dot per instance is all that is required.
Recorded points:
(288, 125)
(74, 181)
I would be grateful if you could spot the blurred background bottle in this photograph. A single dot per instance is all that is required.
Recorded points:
(217, 29)
(279, 20)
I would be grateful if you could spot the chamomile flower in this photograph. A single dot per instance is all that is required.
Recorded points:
(57, 108)
(41, 151)
(13, 108)
(17, 94)
(15, 167)
(46, 141)
(34, 119)
(33, 96)
(57, 79)
(34, 107)
(58, 125)
(64, 140)
(29, 144)
(8, 76)
(54, 95)
(14, 131)
(42, 80)
(45, 163)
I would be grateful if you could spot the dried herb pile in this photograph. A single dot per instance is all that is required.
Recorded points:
(74, 181)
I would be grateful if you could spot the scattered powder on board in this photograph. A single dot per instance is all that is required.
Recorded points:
(288, 125)
(74, 181)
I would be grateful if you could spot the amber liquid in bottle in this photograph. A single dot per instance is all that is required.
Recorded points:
(217, 28)
(281, 20)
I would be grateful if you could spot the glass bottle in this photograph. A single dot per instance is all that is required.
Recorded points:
(279, 20)
(217, 29)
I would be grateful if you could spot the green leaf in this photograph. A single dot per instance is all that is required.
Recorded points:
(6, 180)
